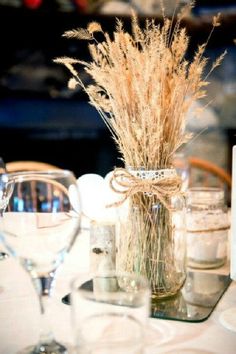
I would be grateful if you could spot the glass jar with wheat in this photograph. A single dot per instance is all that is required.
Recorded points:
(143, 86)
(152, 233)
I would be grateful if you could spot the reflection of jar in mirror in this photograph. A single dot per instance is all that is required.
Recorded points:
(202, 289)
(207, 227)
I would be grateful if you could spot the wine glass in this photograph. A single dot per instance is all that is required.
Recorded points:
(5, 192)
(39, 227)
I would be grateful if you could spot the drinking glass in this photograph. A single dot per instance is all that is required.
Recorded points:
(5, 192)
(110, 313)
(39, 227)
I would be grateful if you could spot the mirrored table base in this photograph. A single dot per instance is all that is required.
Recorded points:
(194, 303)
(197, 299)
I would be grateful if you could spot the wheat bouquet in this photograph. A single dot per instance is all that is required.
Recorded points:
(143, 86)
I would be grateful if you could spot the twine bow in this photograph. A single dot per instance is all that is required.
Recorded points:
(163, 188)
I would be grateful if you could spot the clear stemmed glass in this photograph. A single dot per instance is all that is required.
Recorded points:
(5, 191)
(39, 227)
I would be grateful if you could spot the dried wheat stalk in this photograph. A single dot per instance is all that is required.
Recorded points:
(143, 88)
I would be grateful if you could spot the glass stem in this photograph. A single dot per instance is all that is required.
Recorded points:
(44, 286)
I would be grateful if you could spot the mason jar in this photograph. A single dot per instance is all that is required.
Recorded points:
(152, 236)
(207, 227)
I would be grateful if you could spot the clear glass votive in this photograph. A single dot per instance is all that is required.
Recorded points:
(110, 313)
(207, 227)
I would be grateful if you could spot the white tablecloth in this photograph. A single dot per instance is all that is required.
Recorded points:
(19, 313)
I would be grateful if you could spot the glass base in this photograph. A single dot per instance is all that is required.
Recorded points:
(163, 294)
(49, 348)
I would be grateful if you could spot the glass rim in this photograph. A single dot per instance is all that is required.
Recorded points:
(17, 176)
(205, 189)
(205, 194)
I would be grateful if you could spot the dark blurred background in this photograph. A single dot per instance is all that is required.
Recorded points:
(40, 119)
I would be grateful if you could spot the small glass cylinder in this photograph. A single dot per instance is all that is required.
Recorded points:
(207, 227)
(102, 246)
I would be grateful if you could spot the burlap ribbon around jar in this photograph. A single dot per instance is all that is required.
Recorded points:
(163, 183)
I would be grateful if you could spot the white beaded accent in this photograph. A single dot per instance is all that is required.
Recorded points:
(154, 174)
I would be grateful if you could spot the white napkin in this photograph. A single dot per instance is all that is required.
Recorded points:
(96, 195)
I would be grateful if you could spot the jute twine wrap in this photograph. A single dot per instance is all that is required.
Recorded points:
(161, 183)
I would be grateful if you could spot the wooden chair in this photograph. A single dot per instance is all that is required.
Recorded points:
(17, 166)
(209, 173)
(197, 171)
(206, 173)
